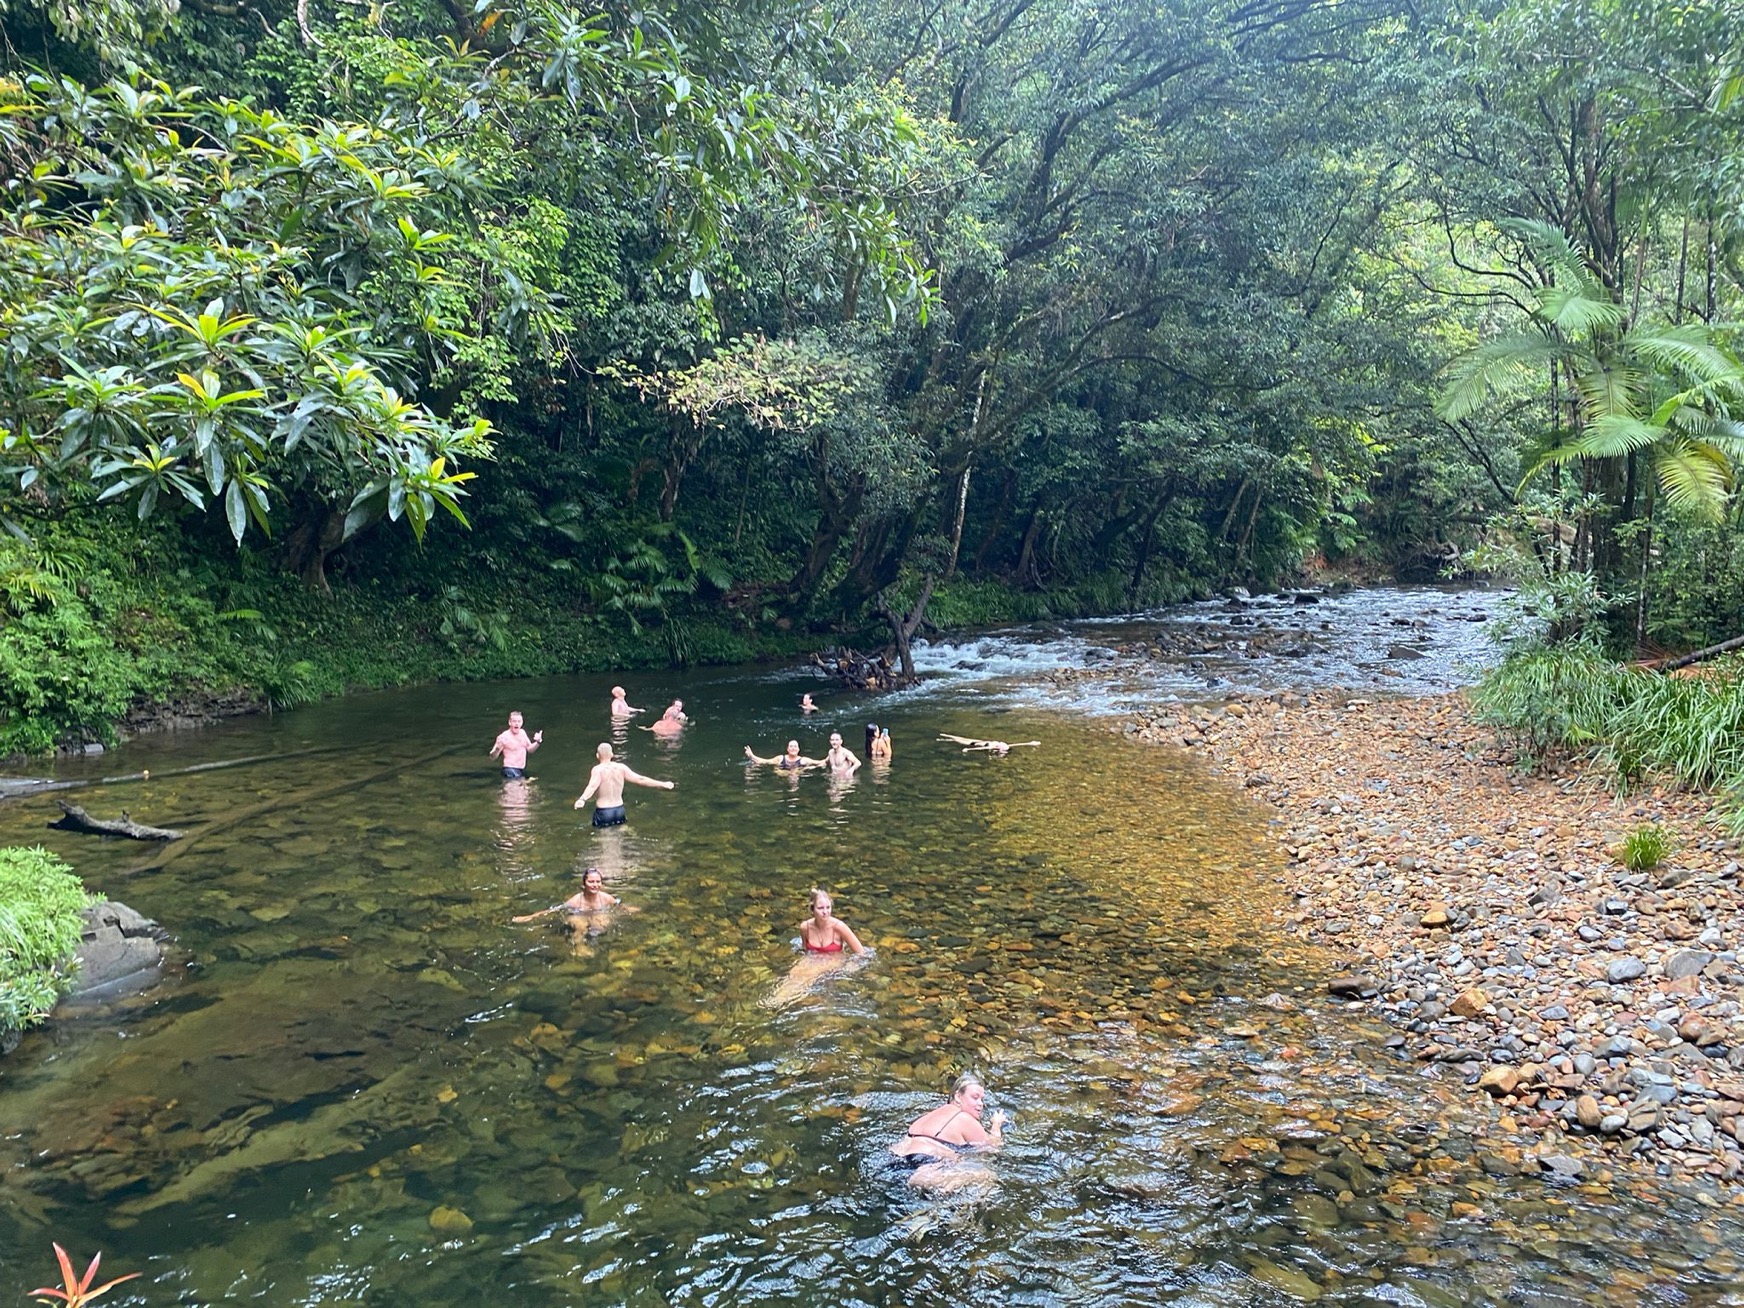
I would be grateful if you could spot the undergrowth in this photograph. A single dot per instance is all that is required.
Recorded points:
(41, 908)
(1637, 724)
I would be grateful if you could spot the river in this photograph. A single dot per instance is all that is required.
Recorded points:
(365, 1085)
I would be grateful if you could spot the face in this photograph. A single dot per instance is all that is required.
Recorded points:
(514, 722)
(593, 881)
(823, 908)
(972, 1098)
(678, 704)
(793, 749)
(835, 742)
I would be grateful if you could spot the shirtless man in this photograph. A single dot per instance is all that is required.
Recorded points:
(591, 898)
(805, 704)
(840, 759)
(672, 721)
(514, 745)
(621, 705)
(791, 761)
(608, 780)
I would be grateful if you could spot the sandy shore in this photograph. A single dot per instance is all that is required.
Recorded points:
(1484, 914)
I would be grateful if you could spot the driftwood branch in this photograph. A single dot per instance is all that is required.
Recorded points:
(861, 671)
(74, 818)
(1701, 655)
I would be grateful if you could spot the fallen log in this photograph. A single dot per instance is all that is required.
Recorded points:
(1700, 655)
(74, 818)
(860, 671)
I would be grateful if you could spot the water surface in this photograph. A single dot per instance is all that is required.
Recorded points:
(369, 1087)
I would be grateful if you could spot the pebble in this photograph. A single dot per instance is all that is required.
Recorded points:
(1482, 911)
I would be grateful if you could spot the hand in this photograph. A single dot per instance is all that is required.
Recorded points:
(668, 785)
(748, 753)
(579, 803)
(998, 1120)
(538, 735)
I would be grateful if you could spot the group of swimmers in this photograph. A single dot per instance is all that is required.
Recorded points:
(936, 1142)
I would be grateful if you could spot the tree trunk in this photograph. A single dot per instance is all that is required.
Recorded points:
(306, 549)
(902, 628)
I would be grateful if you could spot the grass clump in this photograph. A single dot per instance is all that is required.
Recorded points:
(1644, 848)
(41, 916)
(1637, 724)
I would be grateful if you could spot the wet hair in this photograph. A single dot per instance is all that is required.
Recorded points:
(871, 735)
(963, 1082)
(817, 894)
(587, 872)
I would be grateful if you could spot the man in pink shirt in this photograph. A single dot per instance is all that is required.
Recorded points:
(514, 745)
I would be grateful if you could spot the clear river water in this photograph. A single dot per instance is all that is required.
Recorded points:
(364, 1085)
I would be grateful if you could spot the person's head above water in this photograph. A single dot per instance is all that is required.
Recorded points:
(835, 739)
(618, 692)
(604, 752)
(821, 903)
(968, 1091)
(593, 880)
(515, 720)
(793, 749)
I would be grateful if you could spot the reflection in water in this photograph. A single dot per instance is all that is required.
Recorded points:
(372, 1088)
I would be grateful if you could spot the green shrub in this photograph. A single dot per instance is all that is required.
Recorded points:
(1644, 848)
(41, 908)
(1636, 723)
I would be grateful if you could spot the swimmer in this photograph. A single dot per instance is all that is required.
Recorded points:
(609, 779)
(671, 722)
(939, 1141)
(621, 705)
(823, 932)
(591, 898)
(791, 761)
(828, 944)
(840, 759)
(514, 745)
(879, 749)
(805, 704)
(970, 744)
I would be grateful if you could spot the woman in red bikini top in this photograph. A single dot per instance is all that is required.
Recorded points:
(822, 933)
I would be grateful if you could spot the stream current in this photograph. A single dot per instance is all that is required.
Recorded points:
(365, 1086)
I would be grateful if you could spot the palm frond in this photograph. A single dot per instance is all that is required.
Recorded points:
(1551, 458)
(1576, 311)
(1687, 350)
(1608, 388)
(1477, 374)
(1549, 245)
(1615, 435)
(1694, 476)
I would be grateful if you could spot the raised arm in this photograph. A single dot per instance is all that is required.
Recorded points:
(538, 739)
(758, 758)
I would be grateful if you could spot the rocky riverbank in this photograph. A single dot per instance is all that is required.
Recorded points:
(1485, 914)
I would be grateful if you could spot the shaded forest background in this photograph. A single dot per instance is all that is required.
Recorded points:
(349, 342)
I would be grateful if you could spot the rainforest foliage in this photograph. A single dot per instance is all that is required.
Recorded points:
(344, 341)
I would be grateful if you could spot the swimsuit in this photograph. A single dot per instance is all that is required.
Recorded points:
(834, 947)
(513, 774)
(609, 817)
(788, 765)
(922, 1159)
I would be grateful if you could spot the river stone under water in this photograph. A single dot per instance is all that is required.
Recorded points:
(369, 1087)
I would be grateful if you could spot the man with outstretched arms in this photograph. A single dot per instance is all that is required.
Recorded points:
(608, 781)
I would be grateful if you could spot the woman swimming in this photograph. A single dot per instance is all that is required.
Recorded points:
(591, 898)
(944, 1136)
(823, 932)
(791, 761)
